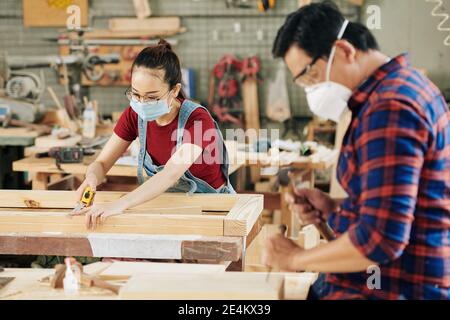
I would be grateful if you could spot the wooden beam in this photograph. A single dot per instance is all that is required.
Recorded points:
(68, 199)
(243, 215)
(150, 24)
(30, 221)
(130, 246)
(223, 286)
(122, 270)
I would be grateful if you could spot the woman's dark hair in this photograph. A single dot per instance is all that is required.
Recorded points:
(161, 57)
(315, 28)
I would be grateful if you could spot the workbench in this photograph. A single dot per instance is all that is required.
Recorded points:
(12, 144)
(31, 284)
(45, 174)
(200, 227)
(304, 166)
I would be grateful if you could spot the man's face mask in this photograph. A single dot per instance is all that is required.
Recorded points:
(329, 99)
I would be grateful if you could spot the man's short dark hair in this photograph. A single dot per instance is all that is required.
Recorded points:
(315, 28)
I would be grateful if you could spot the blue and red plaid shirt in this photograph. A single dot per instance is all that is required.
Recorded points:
(395, 167)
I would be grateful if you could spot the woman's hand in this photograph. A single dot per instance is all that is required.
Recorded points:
(90, 181)
(97, 214)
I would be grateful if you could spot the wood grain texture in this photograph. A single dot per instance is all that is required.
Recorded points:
(224, 286)
(11, 221)
(67, 200)
(243, 215)
(122, 270)
(200, 248)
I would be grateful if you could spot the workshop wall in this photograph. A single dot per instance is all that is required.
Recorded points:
(197, 47)
(407, 25)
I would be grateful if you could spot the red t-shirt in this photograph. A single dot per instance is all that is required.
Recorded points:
(161, 141)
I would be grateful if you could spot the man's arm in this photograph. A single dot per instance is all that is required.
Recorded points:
(390, 152)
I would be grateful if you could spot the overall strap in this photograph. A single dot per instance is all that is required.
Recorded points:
(185, 112)
(142, 130)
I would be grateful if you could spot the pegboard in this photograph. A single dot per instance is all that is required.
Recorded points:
(210, 34)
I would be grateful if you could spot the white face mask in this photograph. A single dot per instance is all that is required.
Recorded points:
(329, 99)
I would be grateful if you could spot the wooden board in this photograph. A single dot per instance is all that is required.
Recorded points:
(50, 141)
(251, 110)
(41, 13)
(241, 214)
(187, 247)
(142, 8)
(125, 270)
(151, 24)
(66, 200)
(58, 222)
(226, 286)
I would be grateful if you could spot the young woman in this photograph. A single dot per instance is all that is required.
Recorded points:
(181, 147)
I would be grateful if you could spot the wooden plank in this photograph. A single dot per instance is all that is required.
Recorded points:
(11, 221)
(50, 141)
(151, 24)
(213, 249)
(308, 237)
(243, 215)
(17, 137)
(122, 270)
(224, 286)
(67, 199)
(142, 8)
(28, 285)
(123, 246)
(251, 108)
(40, 13)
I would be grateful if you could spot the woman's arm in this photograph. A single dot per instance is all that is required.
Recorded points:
(98, 169)
(177, 165)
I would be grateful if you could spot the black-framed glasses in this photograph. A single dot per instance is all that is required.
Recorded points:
(303, 79)
(135, 97)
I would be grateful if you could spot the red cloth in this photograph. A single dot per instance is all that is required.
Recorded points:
(161, 142)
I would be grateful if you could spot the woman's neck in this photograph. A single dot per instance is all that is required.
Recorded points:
(168, 118)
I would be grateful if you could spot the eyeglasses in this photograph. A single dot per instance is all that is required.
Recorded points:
(306, 78)
(137, 98)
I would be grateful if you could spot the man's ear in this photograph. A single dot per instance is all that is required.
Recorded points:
(347, 52)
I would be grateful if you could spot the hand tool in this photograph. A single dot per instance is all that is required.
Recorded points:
(265, 5)
(86, 280)
(86, 199)
(283, 229)
(324, 228)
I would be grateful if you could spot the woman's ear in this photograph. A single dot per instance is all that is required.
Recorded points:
(176, 90)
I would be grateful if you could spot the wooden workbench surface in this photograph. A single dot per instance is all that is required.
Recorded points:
(47, 165)
(29, 285)
(17, 137)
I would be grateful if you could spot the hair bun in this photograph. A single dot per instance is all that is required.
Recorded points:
(163, 43)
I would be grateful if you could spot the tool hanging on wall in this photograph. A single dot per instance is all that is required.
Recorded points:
(240, 4)
(266, 5)
(224, 90)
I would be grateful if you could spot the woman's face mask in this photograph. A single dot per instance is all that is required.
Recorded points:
(150, 111)
(329, 99)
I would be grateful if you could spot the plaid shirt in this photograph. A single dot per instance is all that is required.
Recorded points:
(395, 167)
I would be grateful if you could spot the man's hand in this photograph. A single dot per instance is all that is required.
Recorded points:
(311, 205)
(97, 214)
(280, 252)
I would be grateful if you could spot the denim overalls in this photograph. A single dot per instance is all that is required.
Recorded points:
(187, 183)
